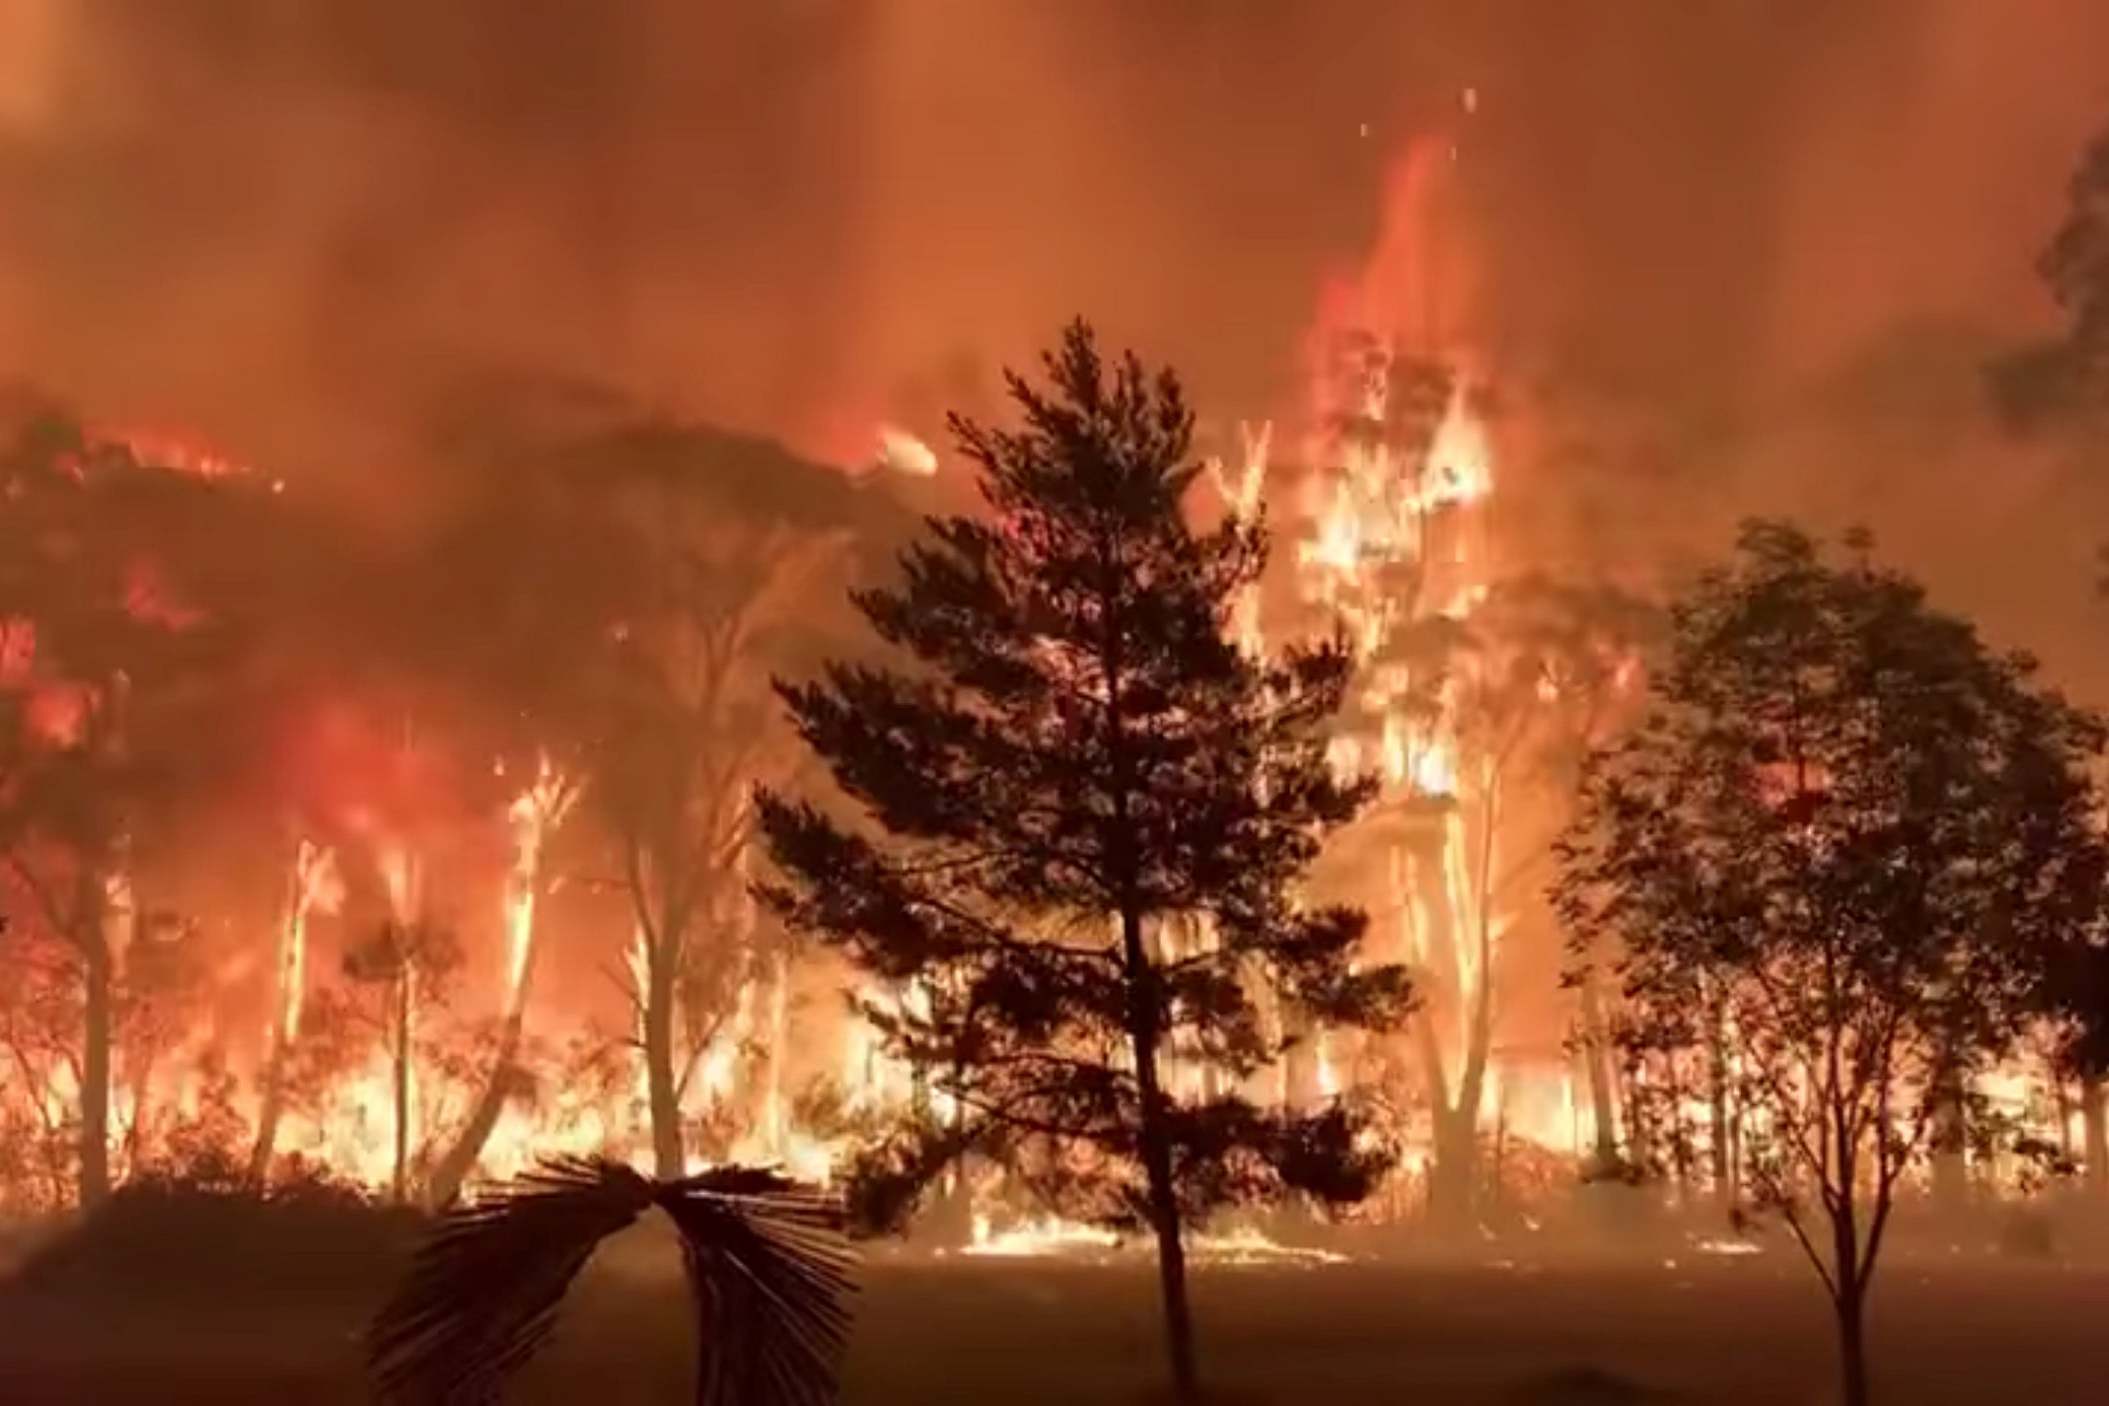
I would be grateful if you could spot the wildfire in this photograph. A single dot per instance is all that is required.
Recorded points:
(169, 449)
(1052, 1237)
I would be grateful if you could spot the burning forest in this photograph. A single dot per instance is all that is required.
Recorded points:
(1493, 749)
(412, 816)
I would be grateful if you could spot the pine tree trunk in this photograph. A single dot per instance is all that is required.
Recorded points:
(667, 1159)
(2094, 1132)
(1156, 1148)
(1171, 1263)
(95, 1058)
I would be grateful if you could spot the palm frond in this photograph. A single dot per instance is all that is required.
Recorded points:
(770, 1270)
(766, 1261)
(483, 1294)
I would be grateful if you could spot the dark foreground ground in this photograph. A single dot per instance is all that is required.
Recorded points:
(1701, 1330)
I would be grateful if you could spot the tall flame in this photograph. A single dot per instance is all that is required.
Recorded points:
(534, 813)
(315, 887)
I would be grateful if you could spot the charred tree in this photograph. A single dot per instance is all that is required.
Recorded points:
(1081, 759)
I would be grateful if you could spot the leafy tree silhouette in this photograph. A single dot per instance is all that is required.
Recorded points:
(1859, 838)
(1096, 809)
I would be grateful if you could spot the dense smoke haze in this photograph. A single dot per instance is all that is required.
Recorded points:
(1746, 256)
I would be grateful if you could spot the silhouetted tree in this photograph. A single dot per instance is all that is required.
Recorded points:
(766, 1263)
(729, 537)
(1081, 765)
(1863, 835)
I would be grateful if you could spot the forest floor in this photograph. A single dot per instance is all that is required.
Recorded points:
(1510, 1331)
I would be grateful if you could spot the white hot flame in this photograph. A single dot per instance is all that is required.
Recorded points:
(904, 453)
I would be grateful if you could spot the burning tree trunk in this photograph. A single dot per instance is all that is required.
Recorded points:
(314, 874)
(662, 1088)
(535, 814)
(98, 977)
(1453, 1167)
(1453, 1173)
(1155, 1144)
(405, 993)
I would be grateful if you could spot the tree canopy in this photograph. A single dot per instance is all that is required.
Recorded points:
(1856, 837)
(1088, 812)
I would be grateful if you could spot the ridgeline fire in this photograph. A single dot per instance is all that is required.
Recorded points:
(596, 617)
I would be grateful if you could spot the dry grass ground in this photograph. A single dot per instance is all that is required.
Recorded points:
(1011, 1333)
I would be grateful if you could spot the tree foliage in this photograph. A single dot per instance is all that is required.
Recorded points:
(1860, 837)
(1093, 811)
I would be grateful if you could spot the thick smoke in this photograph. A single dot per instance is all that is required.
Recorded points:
(1732, 256)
